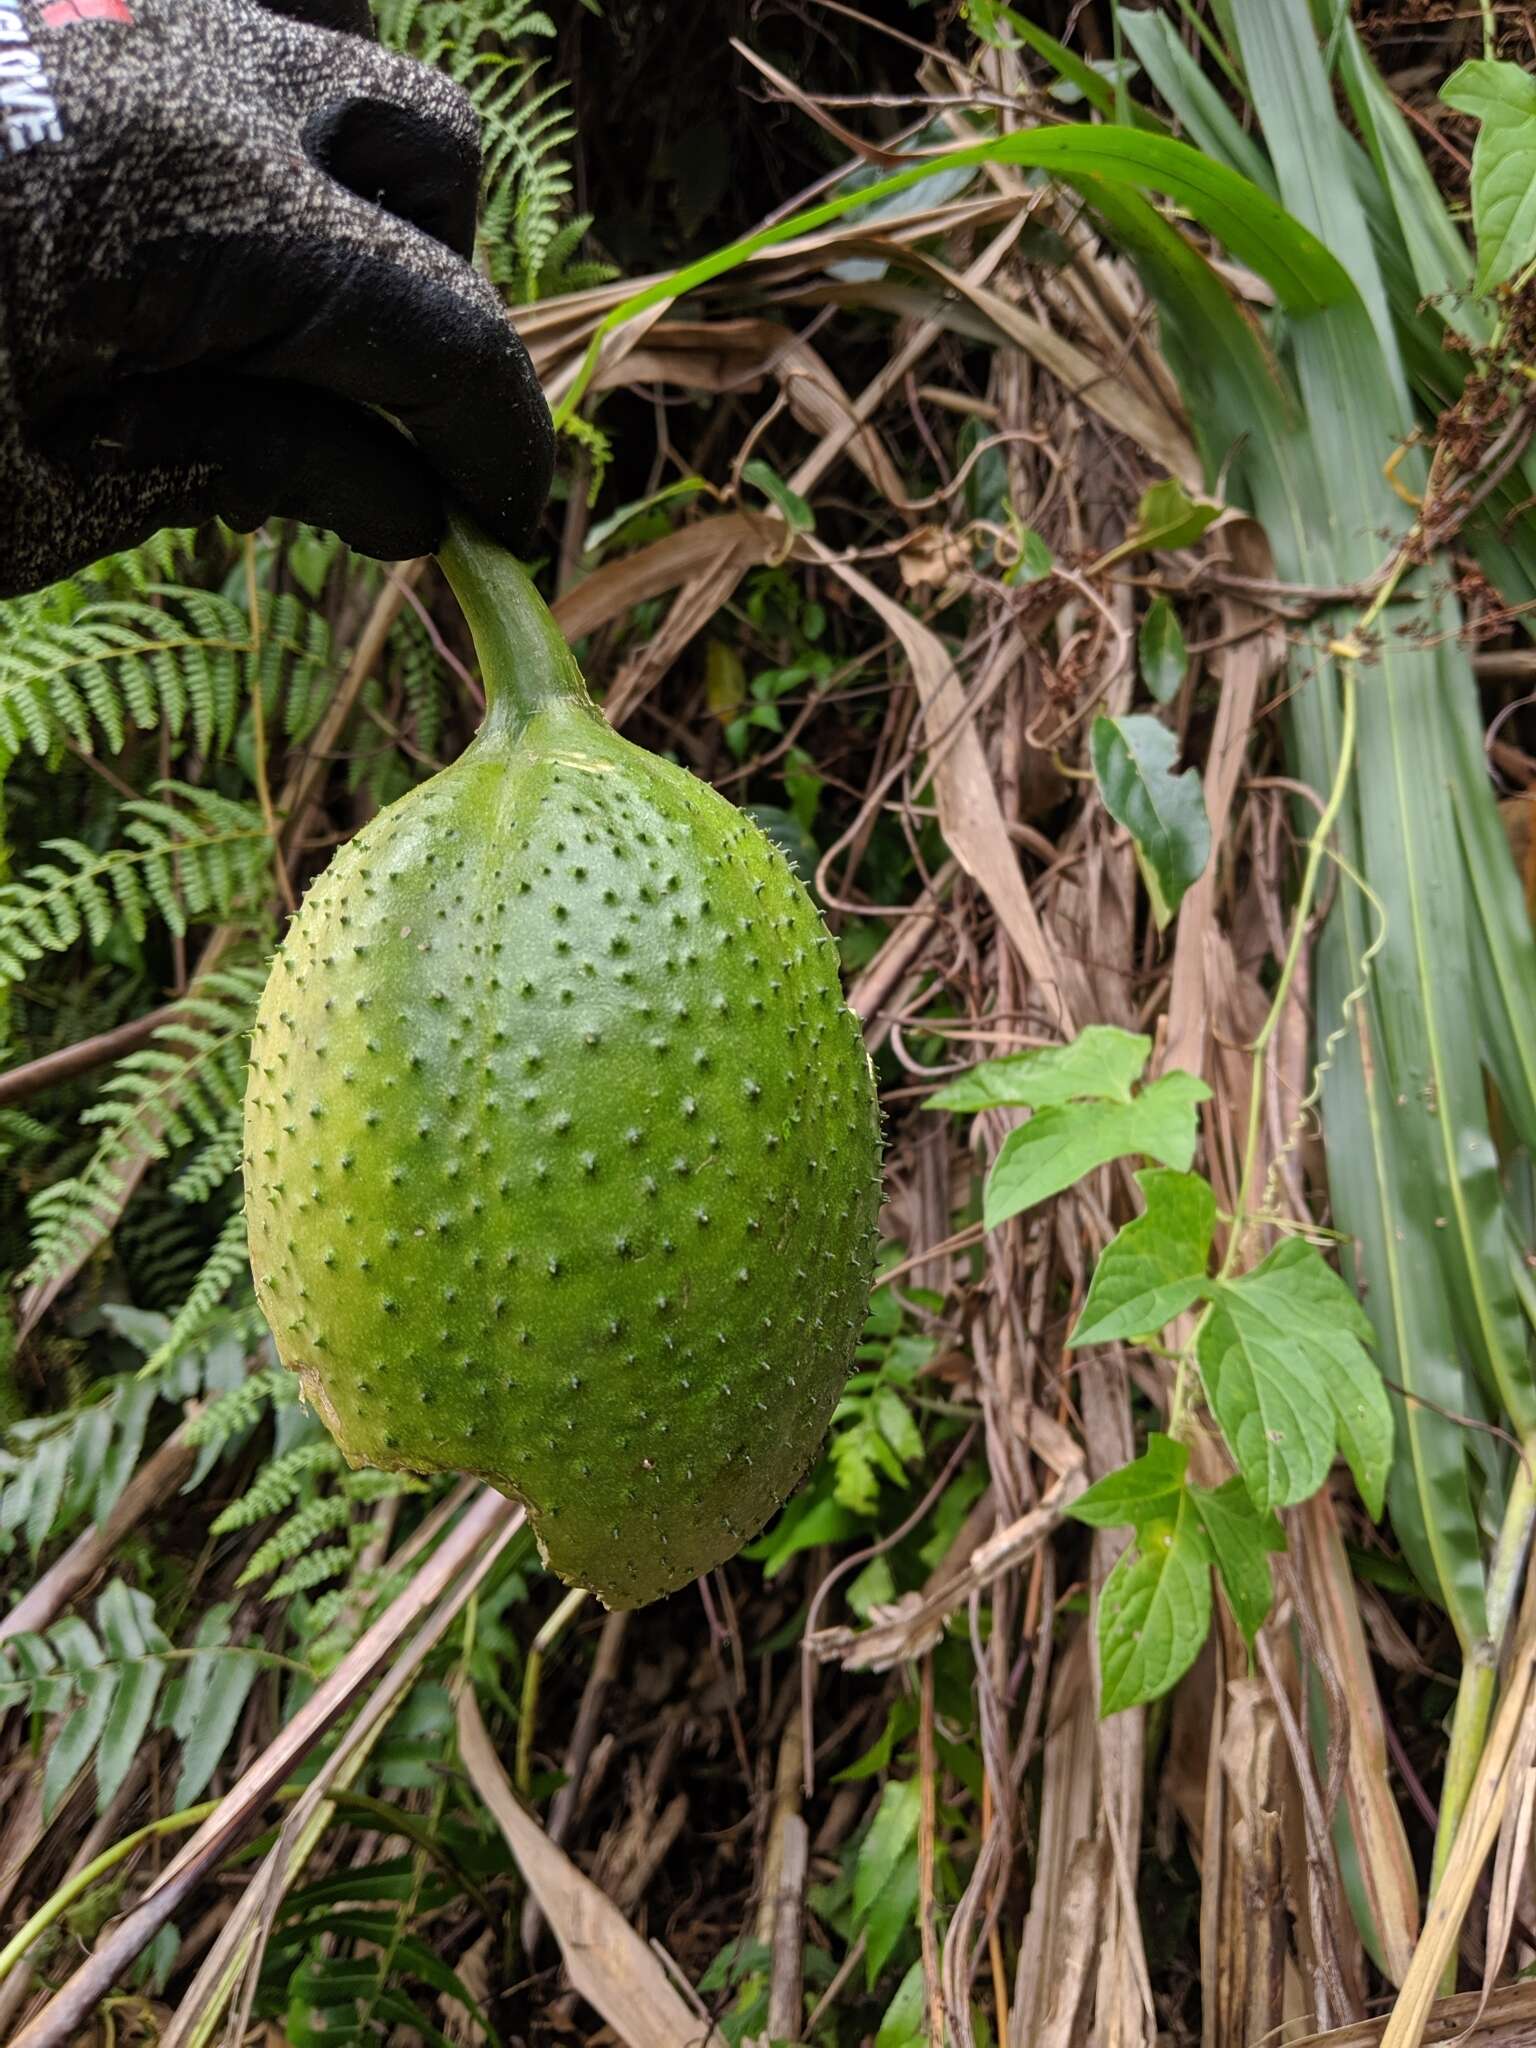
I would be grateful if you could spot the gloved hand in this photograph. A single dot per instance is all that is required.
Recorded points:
(227, 232)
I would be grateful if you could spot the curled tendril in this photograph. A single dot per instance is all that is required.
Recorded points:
(1353, 998)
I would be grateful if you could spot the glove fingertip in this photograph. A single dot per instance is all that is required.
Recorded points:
(498, 454)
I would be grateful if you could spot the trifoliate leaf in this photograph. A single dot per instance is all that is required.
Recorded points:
(1154, 1267)
(1145, 1491)
(1164, 812)
(1059, 1145)
(1154, 1610)
(1288, 1378)
(1101, 1062)
(1241, 1540)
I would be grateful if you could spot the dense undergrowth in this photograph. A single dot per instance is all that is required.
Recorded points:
(1088, 516)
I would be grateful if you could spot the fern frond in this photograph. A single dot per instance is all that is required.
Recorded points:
(153, 564)
(118, 662)
(218, 1160)
(225, 1264)
(186, 1083)
(313, 1569)
(296, 664)
(105, 1687)
(527, 175)
(368, 1485)
(153, 561)
(562, 271)
(81, 1676)
(19, 1132)
(202, 856)
(448, 32)
(423, 678)
(57, 1470)
(326, 1499)
(335, 1618)
(278, 1484)
(238, 1411)
(314, 1519)
(331, 1512)
(161, 1252)
(94, 669)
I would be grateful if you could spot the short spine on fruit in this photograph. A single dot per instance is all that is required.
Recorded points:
(561, 1144)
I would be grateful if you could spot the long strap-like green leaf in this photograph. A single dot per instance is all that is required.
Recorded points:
(1303, 273)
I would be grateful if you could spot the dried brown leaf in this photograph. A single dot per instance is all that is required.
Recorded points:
(617, 1973)
(1059, 1945)
(1384, 1858)
(1244, 1979)
(1161, 433)
(695, 550)
(969, 809)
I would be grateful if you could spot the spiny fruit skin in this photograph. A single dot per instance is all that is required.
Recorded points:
(562, 1152)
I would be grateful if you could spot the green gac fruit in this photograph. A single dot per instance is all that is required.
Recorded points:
(561, 1145)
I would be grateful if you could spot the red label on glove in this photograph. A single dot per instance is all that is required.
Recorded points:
(60, 13)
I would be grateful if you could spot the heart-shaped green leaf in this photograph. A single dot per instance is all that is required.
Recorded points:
(1164, 812)
(1154, 1267)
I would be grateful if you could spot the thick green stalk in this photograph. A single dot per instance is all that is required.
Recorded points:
(524, 661)
(1469, 1730)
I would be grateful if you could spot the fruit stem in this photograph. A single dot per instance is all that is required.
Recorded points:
(524, 661)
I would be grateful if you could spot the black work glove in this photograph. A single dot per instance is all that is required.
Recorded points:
(227, 232)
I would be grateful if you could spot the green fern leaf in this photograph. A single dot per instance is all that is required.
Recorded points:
(236, 1413)
(312, 1570)
(314, 1519)
(193, 853)
(58, 1470)
(144, 660)
(184, 1085)
(105, 1685)
(227, 1263)
(275, 1487)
